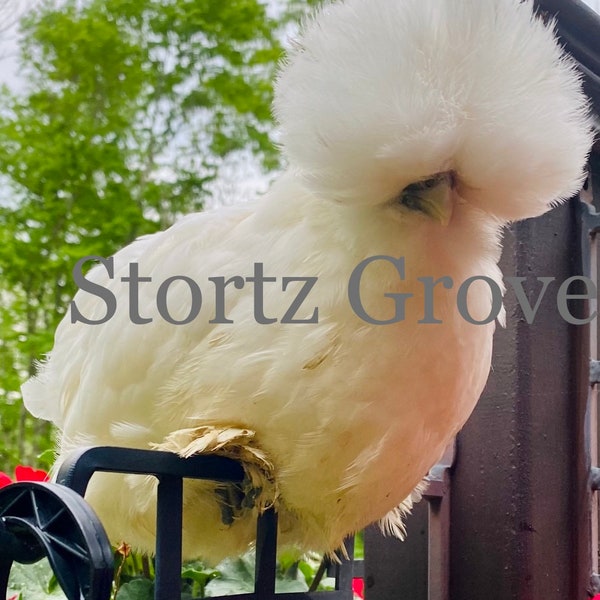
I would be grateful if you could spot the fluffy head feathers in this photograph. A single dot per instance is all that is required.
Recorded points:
(381, 93)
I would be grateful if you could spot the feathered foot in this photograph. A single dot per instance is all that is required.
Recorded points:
(259, 488)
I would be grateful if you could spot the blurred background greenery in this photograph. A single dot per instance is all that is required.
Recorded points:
(125, 116)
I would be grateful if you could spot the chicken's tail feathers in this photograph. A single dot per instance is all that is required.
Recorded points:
(393, 524)
(38, 396)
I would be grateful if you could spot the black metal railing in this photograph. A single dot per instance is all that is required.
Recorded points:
(53, 520)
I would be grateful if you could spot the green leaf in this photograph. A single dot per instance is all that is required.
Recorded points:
(290, 585)
(138, 589)
(359, 545)
(236, 576)
(200, 576)
(53, 584)
(32, 582)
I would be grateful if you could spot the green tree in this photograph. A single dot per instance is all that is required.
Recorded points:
(129, 110)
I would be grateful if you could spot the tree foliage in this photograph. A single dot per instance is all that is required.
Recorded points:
(128, 113)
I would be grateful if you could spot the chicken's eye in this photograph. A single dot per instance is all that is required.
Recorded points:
(410, 199)
(412, 195)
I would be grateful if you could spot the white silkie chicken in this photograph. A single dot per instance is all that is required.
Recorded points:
(414, 129)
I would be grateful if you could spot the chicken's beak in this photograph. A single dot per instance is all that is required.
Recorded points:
(438, 203)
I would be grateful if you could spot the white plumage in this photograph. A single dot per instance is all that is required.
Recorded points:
(346, 416)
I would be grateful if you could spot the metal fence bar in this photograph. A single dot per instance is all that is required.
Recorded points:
(591, 226)
(438, 555)
(77, 470)
(592, 196)
(167, 581)
(266, 555)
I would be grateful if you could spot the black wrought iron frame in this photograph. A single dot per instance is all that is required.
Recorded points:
(26, 537)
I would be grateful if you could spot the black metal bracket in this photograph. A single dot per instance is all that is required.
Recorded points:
(170, 470)
(81, 555)
(438, 549)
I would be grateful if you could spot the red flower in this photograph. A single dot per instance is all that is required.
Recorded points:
(358, 587)
(23, 474)
(28, 474)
